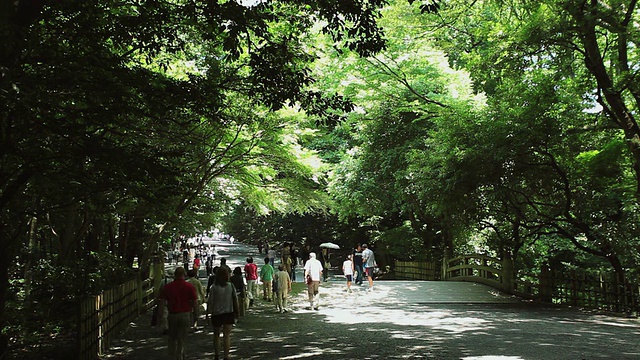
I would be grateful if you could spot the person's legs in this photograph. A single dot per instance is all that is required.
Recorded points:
(183, 324)
(216, 341)
(310, 293)
(315, 300)
(276, 300)
(195, 314)
(283, 300)
(226, 337)
(268, 290)
(173, 335)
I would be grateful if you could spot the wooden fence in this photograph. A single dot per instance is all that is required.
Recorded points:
(595, 290)
(416, 270)
(103, 317)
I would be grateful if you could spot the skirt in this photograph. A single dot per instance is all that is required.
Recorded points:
(223, 319)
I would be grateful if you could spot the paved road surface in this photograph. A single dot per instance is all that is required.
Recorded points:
(405, 320)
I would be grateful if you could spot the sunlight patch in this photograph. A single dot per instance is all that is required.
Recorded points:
(492, 357)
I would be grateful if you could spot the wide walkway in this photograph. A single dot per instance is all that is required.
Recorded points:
(406, 320)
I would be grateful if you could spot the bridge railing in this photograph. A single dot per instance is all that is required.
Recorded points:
(416, 270)
(477, 268)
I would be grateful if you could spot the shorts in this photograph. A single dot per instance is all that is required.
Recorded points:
(349, 278)
(223, 319)
(369, 271)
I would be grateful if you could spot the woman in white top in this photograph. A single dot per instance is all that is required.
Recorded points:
(223, 305)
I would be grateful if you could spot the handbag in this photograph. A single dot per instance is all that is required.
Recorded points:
(309, 280)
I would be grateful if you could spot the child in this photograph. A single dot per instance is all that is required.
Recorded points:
(347, 270)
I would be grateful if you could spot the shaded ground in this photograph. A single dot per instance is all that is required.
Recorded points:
(399, 320)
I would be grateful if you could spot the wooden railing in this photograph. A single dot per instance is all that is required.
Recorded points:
(103, 317)
(477, 268)
(570, 287)
(416, 270)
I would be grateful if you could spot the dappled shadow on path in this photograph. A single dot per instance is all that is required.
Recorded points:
(394, 322)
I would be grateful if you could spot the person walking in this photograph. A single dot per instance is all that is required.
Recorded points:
(238, 282)
(196, 264)
(251, 274)
(283, 280)
(266, 276)
(180, 297)
(313, 274)
(272, 257)
(369, 261)
(193, 280)
(347, 270)
(224, 309)
(357, 264)
(223, 263)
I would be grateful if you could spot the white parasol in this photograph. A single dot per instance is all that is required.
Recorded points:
(329, 245)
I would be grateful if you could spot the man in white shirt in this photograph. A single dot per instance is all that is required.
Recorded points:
(369, 262)
(313, 274)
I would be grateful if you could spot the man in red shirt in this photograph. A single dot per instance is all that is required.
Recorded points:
(181, 298)
(251, 274)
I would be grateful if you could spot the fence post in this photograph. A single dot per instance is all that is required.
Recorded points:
(545, 282)
(507, 273)
(445, 264)
(139, 292)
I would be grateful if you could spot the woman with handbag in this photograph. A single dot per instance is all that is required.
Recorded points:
(224, 309)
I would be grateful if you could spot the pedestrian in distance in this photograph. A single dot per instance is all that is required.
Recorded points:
(313, 274)
(197, 310)
(180, 297)
(223, 263)
(223, 307)
(347, 270)
(251, 274)
(369, 261)
(266, 276)
(196, 264)
(326, 262)
(208, 265)
(238, 281)
(212, 279)
(283, 281)
(357, 264)
(271, 253)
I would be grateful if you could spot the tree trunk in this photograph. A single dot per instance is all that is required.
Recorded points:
(587, 19)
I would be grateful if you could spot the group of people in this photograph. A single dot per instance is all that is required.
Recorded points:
(359, 264)
(229, 293)
(182, 300)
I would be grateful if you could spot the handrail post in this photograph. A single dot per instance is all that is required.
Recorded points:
(507, 273)
(546, 284)
(445, 264)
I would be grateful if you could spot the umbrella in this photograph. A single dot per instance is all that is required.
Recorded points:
(329, 245)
